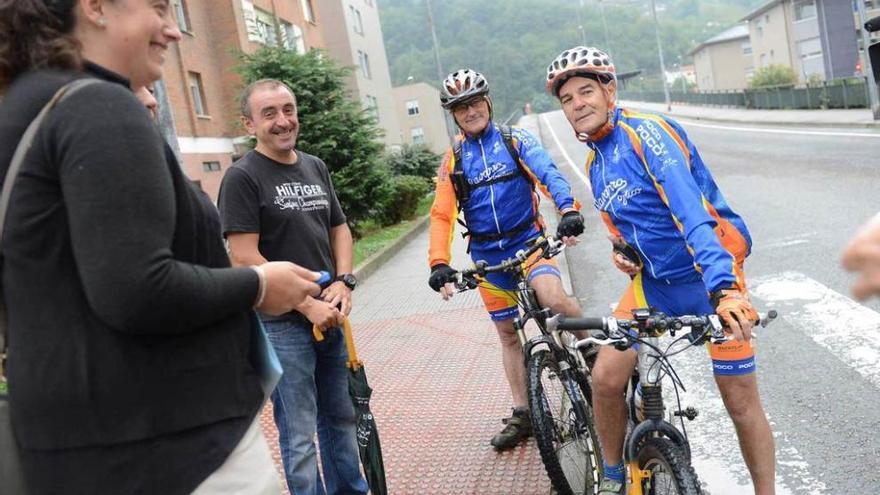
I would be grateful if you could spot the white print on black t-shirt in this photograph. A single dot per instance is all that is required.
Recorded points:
(301, 197)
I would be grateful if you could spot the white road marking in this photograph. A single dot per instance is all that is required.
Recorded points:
(565, 155)
(716, 455)
(766, 130)
(848, 329)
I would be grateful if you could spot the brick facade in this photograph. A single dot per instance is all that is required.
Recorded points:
(214, 33)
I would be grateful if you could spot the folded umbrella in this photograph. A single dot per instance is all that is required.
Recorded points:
(369, 448)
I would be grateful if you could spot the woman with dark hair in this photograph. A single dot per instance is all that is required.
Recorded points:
(129, 333)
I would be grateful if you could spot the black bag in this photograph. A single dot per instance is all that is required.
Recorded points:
(11, 478)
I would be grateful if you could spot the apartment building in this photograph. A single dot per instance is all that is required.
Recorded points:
(422, 119)
(353, 35)
(724, 61)
(814, 37)
(200, 80)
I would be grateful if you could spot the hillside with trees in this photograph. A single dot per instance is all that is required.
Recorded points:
(512, 41)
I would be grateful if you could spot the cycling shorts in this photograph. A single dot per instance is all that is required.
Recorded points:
(691, 298)
(498, 290)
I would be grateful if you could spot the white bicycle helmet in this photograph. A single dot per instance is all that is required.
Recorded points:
(462, 85)
(579, 61)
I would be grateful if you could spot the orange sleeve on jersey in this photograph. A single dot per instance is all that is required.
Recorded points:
(444, 211)
(608, 223)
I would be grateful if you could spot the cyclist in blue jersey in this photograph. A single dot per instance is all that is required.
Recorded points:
(676, 236)
(491, 175)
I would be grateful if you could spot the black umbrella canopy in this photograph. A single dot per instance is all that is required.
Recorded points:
(369, 448)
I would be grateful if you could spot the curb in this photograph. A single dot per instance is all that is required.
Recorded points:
(377, 259)
(835, 125)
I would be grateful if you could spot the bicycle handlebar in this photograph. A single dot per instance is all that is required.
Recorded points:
(466, 279)
(611, 331)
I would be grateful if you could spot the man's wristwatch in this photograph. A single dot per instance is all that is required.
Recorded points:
(348, 279)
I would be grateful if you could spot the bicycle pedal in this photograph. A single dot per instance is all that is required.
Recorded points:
(690, 413)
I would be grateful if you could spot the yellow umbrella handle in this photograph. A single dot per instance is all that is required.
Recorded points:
(353, 361)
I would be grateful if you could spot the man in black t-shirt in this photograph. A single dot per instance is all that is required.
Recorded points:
(278, 204)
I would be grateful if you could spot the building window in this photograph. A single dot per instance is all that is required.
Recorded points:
(747, 47)
(418, 135)
(293, 37)
(750, 71)
(356, 21)
(308, 10)
(182, 15)
(371, 105)
(810, 48)
(197, 92)
(364, 62)
(804, 9)
(211, 166)
(264, 24)
(412, 107)
(763, 60)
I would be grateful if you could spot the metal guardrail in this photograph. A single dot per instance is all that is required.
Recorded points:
(841, 93)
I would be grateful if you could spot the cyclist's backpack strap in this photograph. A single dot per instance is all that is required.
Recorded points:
(463, 188)
(459, 182)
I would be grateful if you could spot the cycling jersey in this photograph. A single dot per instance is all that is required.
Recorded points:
(653, 189)
(500, 208)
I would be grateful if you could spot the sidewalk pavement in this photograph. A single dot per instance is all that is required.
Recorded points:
(439, 390)
(857, 117)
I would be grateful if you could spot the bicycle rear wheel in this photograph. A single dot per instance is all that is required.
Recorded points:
(671, 473)
(569, 447)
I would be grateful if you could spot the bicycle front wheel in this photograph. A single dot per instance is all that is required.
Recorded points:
(670, 471)
(568, 445)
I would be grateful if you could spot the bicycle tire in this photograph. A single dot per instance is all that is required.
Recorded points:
(660, 455)
(554, 433)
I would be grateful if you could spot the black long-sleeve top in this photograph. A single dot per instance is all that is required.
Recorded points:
(126, 321)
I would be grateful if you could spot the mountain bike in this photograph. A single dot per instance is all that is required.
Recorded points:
(656, 453)
(558, 378)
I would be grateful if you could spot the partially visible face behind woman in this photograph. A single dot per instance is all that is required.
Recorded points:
(129, 37)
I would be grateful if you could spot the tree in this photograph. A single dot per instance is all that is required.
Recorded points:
(773, 75)
(511, 42)
(332, 126)
(416, 160)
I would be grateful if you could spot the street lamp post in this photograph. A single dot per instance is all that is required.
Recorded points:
(581, 23)
(866, 42)
(660, 51)
(449, 128)
(604, 26)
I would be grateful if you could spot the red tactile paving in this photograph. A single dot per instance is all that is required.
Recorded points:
(439, 395)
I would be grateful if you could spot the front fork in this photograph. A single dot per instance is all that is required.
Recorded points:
(555, 344)
(653, 410)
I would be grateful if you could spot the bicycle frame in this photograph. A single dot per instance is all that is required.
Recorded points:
(650, 377)
(650, 367)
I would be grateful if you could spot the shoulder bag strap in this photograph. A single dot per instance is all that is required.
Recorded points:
(24, 145)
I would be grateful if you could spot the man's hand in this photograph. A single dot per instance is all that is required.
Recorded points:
(570, 226)
(862, 255)
(441, 280)
(338, 294)
(287, 286)
(736, 312)
(321, 313)
(622, 261)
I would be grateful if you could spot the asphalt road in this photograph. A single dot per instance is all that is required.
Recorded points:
(802, 193)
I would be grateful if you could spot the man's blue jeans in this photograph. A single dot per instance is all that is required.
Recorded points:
(313, 396)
